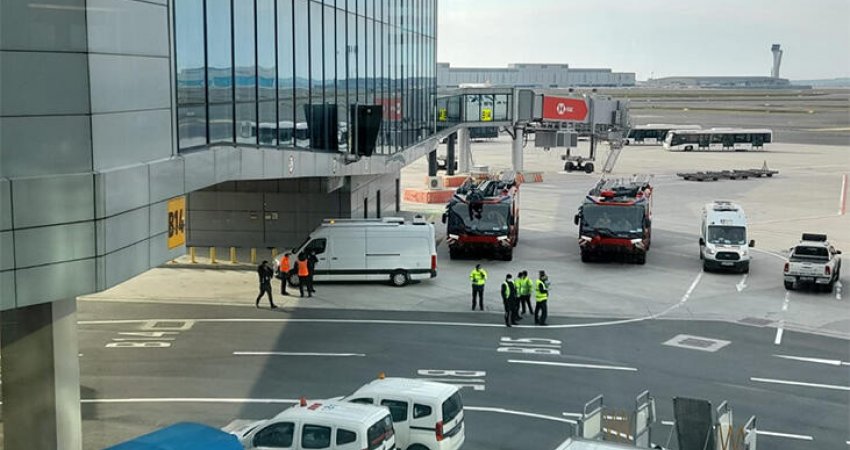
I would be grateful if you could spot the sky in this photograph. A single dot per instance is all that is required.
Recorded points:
(653, 38)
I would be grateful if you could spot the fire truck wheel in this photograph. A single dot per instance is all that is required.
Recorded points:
(588, 168)
(453, 254)
(640, 258)
(508, 255)
(399, 278)
(585, 258)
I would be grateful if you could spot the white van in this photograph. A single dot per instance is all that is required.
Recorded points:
(370, 249)
(322, 424)
(426, 415)
(723, 237)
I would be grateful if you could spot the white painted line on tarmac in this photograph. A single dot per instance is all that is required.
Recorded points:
(191, 400)
(668, 423)
(517, 413)
(787, 301)
(778, 339)
(295, 354)
(571, 414)
(800, 383)
(572, 365)
(842, 198)
(801, 437)
(742, 284)
(831, 362)
(838, 288)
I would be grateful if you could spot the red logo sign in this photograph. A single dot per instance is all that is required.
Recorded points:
(392, 108)
(564, 108)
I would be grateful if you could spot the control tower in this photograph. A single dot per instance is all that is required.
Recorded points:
(777, 60)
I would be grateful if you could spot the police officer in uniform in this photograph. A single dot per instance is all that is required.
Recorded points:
(478, 277)
(265, 273)
(541, 287)
(509, 300)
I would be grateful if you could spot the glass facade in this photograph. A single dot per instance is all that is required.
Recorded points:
(263, 72)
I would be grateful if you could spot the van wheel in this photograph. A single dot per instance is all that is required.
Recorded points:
(399, 278)
(417, 447)
(293, 279)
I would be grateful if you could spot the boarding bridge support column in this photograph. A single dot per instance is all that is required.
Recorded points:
(39, 359)
(464, 152)
(450, 154)
(516, 150)
(432, 163)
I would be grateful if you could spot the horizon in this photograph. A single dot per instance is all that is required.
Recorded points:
(626, 37)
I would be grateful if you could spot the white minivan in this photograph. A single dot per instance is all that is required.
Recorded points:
(426, 415)
(322, 424)
(723, 237)
(385, 249)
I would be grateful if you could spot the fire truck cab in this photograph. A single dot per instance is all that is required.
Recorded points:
(616, 219)
(484, 216)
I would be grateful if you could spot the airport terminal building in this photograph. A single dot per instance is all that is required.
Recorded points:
(120, 118)
(532, 75)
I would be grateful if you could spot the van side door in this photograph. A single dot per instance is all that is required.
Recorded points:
(347, 254)
(315, 436)
(321, 248)
(275, 436)
(400, 412)
(423, 423)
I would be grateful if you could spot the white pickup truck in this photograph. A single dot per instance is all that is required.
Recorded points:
(813, 261)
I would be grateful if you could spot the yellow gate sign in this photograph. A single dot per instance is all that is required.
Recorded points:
(486, 115)
(177, 222)
(443, 115)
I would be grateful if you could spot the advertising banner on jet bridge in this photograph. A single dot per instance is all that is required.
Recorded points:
(567, 109)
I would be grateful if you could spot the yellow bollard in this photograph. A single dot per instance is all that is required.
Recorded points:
(212, 256)
(253, 256)
(274, 252)
(192, 255)
(232, 255)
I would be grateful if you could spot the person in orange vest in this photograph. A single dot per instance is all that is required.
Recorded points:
(303, 274)
(283, 272)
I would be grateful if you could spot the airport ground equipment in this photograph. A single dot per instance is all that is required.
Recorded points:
(615, 219)
(813, 261)
(483, 216)
(737, 174)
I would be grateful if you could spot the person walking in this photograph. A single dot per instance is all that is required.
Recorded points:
(524, 288)
(265, 273)
(283, 272)
(542, 297)
(509, 301)
(478, 277)
(311, 268)
(303, 273)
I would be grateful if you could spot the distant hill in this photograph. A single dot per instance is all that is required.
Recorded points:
(831, 82)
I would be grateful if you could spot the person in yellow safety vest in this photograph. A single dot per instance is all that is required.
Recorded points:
(478, 277)
(509, 301)
(524, 286)
(542, 296)
(283, 272)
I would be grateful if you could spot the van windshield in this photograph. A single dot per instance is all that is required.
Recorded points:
(380, 432)
(724, 235)
(452, 407)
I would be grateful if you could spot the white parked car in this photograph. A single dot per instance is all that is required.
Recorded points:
(322, 424)
(813, 261)
(426, 415)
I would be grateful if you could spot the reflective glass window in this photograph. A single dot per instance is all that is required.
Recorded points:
(342, 75)
(329, 39)
(362, 54)
(317, 59)
(246, 123)
(245, 63)
(285, 72)
(266, 72)
(302, 70)
(219, 53)
(352, 50)
(370, 61)
(221, 122)
(191, 76)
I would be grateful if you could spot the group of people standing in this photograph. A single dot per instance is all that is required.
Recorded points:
(516, 295)
(305, 265)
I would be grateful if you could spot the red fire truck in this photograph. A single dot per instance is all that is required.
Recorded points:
(615, 219)
(483, 216)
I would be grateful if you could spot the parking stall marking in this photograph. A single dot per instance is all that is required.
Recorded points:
(742, 284)
(473, 379)
(781, 327)
(533, 346)
(801, 383)
(573, 365)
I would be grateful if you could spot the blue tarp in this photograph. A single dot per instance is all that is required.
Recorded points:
(183, 436)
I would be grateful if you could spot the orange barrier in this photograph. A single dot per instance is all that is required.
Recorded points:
(529, 177)
(428, 195)
(452, 181)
